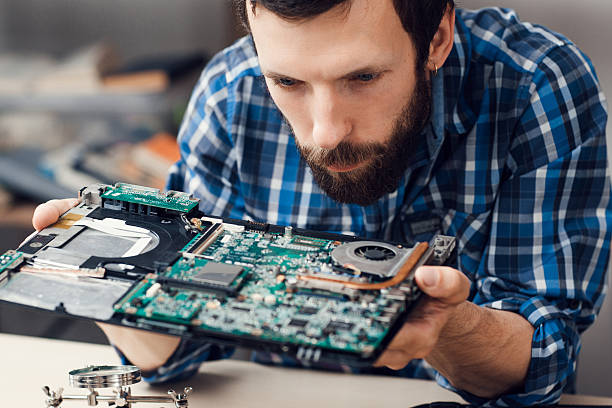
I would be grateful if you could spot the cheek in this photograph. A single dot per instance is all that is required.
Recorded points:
(373, 121)
(390, 104)
(294, 108)
(374, 116)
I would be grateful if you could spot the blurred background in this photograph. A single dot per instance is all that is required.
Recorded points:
(95, 91)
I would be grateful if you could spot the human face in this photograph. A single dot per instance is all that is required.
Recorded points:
(347, 83)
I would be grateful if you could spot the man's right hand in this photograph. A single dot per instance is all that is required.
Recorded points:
(146, 350)
(49, 212)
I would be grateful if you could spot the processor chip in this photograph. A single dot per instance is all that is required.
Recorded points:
(216, 273)
(298, 323)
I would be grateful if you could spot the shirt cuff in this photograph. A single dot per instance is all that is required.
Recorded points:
(184, 362)
(554, 350)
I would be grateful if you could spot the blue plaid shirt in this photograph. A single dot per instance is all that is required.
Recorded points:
(514, 166)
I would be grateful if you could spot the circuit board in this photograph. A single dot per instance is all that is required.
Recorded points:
(314, 296)
(122, 194)
(9, 260)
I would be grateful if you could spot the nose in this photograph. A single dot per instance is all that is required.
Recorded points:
(331, 123)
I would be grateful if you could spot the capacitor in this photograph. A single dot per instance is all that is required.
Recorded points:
(270, 299)
(213, 304)
(153, 290)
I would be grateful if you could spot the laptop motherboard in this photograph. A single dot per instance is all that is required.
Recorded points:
(138, 257)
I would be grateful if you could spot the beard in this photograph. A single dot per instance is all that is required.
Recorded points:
(386, 162)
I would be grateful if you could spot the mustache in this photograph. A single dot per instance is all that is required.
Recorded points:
(343, 155)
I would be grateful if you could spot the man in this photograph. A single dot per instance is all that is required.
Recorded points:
(399, 119)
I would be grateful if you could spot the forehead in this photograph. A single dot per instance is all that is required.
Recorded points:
(368, 33)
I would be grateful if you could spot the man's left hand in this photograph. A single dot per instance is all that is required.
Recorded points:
(445, 289)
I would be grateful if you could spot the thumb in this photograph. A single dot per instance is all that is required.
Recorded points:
(49, 212)
(443, 283)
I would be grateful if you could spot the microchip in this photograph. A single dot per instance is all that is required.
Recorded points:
(298, 323)
(307, 241)
(336, 325)
(216, 273)
(307, 310)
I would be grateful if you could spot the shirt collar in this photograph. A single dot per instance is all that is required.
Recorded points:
(435, 135)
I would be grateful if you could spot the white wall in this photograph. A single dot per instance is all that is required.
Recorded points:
(137, 27)
(586, 23)
(3, 24)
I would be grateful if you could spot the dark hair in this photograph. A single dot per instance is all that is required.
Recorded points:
(420, 18)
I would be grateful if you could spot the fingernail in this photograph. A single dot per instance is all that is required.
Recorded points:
(429, 276)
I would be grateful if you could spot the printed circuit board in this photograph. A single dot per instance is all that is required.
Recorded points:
(158, 264)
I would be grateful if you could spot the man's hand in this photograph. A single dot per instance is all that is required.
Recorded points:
(445, 289)
(144, 349)
(480, 350)
(49, 212)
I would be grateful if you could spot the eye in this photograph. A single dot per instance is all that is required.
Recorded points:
(366, 77)
(285, 82)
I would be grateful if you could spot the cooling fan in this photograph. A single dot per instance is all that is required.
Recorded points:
(372, 257)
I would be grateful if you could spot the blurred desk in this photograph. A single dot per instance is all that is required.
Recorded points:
(28, 363)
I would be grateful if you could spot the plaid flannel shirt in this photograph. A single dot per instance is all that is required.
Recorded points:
(513, 164)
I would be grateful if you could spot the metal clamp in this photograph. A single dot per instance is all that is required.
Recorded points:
(117, 377)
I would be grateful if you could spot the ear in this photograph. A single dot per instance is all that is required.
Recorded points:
(442, 42)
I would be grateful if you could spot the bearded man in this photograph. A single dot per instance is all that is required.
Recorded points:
(398, 120)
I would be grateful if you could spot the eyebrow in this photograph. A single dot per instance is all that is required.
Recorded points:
(365, 70)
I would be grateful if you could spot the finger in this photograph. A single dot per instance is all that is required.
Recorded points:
(49, 212)
(418, 337)
(443, 283)
(394, 359)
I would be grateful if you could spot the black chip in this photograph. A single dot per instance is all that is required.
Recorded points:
(241, 309)
(298, 323)
(336, 325)
(308, 310)
(216, 273)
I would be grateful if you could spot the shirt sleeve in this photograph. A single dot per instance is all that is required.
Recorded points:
(548, 247)
(207, 167)
(184, 362)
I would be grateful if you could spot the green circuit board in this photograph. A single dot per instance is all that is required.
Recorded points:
(9, 260)
(253, 290)
(138, 257)
(171, 200)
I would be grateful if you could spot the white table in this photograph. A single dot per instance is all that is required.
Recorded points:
(28, 363)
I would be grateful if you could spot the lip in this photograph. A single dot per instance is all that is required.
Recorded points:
(340, 169)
